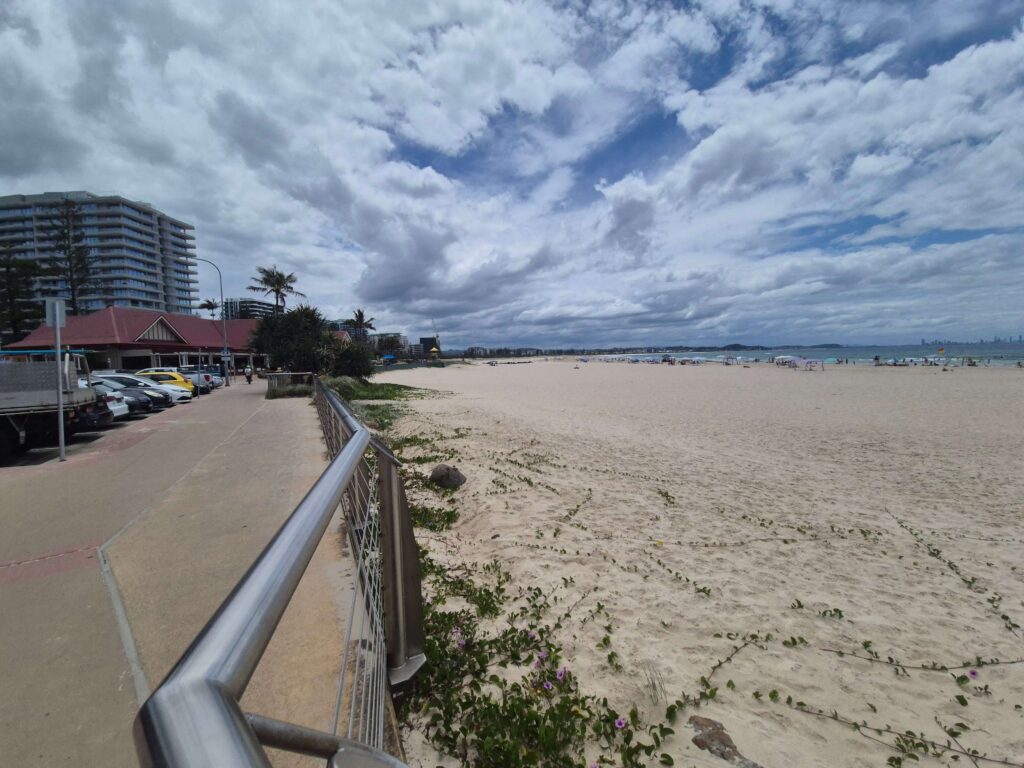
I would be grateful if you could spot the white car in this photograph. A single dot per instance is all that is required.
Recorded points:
(114, 399)
(178, 394)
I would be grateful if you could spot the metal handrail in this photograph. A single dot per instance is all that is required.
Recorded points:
(194, 718)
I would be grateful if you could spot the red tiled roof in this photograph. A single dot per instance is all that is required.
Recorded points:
(122, 326)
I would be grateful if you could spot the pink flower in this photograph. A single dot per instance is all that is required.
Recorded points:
(620, 723)
(974, 674)
(543, 654)
(547, 685)
(560, 674)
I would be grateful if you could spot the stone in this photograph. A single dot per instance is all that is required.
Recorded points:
(711, 737)
(447, 477)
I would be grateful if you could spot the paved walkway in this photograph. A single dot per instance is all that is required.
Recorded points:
(111, 562)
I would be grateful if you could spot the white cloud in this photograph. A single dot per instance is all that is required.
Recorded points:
(437, 159)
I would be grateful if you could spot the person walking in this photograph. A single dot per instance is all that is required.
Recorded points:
(248, 374)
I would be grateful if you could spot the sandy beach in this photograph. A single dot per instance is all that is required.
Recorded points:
(868, 511)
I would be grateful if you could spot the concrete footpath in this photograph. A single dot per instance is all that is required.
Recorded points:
(111, 562)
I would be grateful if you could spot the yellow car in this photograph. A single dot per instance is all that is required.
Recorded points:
(169, 378)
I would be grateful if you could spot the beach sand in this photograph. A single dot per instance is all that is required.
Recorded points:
(895, 496)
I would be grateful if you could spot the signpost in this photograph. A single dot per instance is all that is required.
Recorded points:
(55, 318)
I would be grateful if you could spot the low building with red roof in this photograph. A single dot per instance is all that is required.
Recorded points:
(123, 337)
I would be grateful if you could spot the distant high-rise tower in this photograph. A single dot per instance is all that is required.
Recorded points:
(142, 256)
(247, 309)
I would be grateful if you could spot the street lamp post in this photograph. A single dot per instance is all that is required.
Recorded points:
(223, 324)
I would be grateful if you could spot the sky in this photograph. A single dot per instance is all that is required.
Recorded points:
(555, 174)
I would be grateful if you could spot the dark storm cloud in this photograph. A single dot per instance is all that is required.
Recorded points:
(31, 138)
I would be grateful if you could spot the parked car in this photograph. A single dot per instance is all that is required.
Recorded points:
(176, 394)
(114, 399)
(205, 378)
(170, 377)
(92, 416)
(202, 384)
(137, 399)
(217, 374)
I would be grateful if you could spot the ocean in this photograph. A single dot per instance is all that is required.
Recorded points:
(984, 354)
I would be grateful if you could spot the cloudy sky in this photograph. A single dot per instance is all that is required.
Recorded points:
(556, 173)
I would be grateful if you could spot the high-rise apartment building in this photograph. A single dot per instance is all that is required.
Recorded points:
(240, 309)
(142, 256)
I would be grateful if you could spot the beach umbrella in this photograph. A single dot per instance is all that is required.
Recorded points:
(389, 357)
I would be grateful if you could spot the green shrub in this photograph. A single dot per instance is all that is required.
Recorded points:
(290, 390)
(350, 388)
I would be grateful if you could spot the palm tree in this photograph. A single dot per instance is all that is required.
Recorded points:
(272, 281)
(211, 304)
(359, 322)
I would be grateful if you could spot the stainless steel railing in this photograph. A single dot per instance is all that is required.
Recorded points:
(194, 718)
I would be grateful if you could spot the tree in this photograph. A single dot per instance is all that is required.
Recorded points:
(389, 345)
(73, 260)
(211, 304)
(354, 360)
(358, 325)
(19, 308)
(273, 282)
(302, 340)
(360, 322)
(297, 340)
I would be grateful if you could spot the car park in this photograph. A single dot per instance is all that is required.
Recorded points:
(177, 394)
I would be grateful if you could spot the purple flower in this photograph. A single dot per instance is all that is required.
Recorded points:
(461, 644)
(973, 673)
(536, 664)
(593, 765)
(560, 674)
(620, 723)
(547, 685)
(543, 654)
(533, 635)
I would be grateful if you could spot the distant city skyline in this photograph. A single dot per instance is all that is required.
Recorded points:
(551, 174)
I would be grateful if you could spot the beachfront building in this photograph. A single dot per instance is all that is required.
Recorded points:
(130, 339)
(388, 341)
(143, 256)
(247, 309)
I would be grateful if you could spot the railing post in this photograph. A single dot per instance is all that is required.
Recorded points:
(403, 602)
